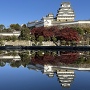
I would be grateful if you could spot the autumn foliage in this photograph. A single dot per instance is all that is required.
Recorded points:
(67, 34)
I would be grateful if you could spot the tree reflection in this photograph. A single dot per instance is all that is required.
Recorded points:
(44, 58)
(49, 58)
(15, 64)
(2, 63)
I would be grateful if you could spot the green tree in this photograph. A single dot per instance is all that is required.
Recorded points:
(25, 34)
(15, 27)
(40, 39)
(7, 30)
(54, 39)
(2, 27)
(24, 26)
(32, 37)
(1, 42)
(48, 38)
(79, 30)
(8, 38)
(14, 38)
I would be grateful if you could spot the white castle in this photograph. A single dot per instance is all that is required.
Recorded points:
(65, 16)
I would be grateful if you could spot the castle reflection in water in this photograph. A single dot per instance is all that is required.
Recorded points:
(59, 63)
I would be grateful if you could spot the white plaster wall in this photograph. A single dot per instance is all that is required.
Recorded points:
(9, 34)
(47, 23)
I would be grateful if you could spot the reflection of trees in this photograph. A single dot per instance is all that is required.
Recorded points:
(15, 64)
(43, 58)
(2, 63)
(25, 58)
(66, 58)
(47, 57)
(84, 59)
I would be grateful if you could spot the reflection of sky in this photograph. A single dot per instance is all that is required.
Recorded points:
(81, 81)
(25, 79)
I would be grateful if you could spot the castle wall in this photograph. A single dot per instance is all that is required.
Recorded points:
(26, 43)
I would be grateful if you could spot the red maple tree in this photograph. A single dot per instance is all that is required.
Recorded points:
(68, 34)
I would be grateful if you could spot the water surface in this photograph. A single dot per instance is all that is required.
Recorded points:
(44, 70)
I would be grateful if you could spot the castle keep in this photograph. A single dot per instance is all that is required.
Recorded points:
(65, 13)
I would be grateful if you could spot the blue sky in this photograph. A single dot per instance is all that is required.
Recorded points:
(23, 11)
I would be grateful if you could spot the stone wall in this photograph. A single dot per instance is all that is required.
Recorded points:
(17, 43)
(82, 25)
(26, 43)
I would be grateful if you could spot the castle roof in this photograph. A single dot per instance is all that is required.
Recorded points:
(65, 2)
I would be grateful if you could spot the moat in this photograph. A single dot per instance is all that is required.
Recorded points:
(44, 69)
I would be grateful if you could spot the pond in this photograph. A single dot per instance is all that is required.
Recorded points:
(44, 70)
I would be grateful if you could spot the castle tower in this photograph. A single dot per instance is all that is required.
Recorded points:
(65, 77)
(65, 13)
